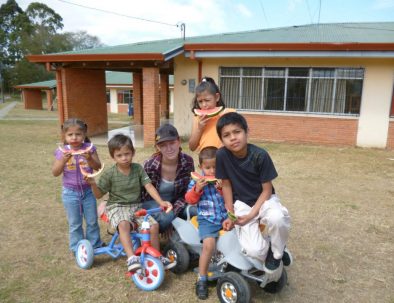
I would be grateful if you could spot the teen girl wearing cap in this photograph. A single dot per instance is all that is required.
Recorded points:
(169, 170)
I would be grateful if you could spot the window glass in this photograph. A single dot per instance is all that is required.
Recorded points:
(230, 71)
(300, 89)
(348, 96)
(274, 89)
(296, 94)
(251, 93)
(274, 72)
(321, 95)
(252, 71)
(229, 88)
(350, 73)
(323, 72)
(298, 72)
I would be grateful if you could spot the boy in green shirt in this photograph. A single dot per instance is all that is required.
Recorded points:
(123, 181)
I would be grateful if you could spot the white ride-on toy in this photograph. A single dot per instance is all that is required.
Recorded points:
(229, 266)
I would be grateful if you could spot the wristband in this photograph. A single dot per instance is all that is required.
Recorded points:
(231, 216)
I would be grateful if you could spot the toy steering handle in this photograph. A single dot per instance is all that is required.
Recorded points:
(144, 212)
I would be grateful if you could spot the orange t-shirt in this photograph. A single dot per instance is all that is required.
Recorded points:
(209, 137)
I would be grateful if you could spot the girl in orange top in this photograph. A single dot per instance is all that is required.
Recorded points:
(203, 132)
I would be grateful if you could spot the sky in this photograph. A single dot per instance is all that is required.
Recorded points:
(119, 24)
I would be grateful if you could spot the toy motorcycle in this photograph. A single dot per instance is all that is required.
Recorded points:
(229, 266)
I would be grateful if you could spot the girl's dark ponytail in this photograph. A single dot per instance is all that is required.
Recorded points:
(207, 84)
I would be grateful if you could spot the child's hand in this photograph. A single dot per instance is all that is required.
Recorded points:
(167, 206)
(242, 220)
(228, 224)
(200, 184)
(90, 180)
(202, 121)
(218, 184)
(66, 156)
(87, 155)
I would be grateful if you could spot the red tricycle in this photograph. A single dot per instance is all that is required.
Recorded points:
(151, 274)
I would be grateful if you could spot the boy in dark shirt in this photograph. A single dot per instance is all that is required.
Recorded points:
(247, 172)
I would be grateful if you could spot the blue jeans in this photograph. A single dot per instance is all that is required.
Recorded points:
(165, 219)
(79, 205)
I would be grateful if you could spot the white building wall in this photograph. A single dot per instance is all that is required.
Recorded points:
(113, 97)
(375, 106)
(375, 103)
(184, 69)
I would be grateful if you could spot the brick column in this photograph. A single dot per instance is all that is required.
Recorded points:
(49, 99)
(84, 97)
(164, 97)
(137, 98)
(150, 84)
(32, 98)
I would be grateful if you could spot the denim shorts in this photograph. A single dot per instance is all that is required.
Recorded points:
(208, 229)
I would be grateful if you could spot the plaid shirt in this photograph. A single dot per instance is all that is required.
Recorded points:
(185, 166)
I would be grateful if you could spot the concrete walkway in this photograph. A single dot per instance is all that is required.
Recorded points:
(4, 111)
(135, 132)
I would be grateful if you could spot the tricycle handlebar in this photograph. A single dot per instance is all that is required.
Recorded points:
(144, 212)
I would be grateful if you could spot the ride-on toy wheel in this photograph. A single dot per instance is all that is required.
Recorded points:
(275, 287)
(84, 254)
(153, 274)
(176, 251)
(232, 288)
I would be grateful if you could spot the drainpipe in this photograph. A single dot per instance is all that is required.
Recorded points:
(193, 57)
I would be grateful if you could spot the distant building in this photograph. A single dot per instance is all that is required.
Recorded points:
(320, 83)
(119, 91)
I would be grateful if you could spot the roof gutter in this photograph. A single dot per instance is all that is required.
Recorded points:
(173, 53)
(289, 54)
(311, 46)
(94, 57)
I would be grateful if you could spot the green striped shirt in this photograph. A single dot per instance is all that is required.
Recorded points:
(123, 189)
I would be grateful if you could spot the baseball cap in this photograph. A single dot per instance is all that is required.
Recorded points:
(166, 132)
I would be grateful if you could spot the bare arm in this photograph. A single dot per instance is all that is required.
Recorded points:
(228, 195)
(227, 190)
(264, 196)
(155, 195)
(197, 130)
(58, 165)
(93, 160)
(96, 191)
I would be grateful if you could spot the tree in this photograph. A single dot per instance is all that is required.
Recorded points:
(82, 40)
(35, 31)
(42, 16)
(14, 24)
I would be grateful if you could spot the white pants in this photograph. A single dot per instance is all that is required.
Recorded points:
(276, 219)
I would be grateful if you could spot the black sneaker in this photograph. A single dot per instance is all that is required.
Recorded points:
(133, 263)
(287, 258)
(202, 289)
(271, 264)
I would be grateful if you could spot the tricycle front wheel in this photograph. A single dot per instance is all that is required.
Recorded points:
(84, 254)
(151, 276)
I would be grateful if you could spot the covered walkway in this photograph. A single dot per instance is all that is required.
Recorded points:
(80, 81)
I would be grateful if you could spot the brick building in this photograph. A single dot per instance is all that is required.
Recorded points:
(322, 83)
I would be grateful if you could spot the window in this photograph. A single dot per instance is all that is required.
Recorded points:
(125, 96)
(295, 89)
